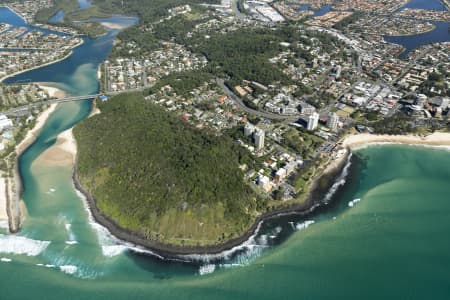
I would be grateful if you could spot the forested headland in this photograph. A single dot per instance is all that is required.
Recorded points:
(160, 177)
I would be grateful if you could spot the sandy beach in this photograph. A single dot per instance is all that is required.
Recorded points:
(14, 190)
(63, 153)
(113, 25)
(362, 140)
(31, 135)
(3, 203)
(52, 92)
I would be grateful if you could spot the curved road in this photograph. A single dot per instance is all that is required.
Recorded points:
(249, 110)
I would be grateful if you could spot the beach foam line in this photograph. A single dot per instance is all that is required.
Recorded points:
(114, 250)
(4, 225)
(69, 269)
(340, 181)
(12, 244)
(111, 246)
(225, 254)
(304, 225)
(353, 202)
(5, 260)
(206, 269)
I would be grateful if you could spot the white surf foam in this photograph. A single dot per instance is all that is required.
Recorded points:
(68, 269)
(6, 260)
(21, 245)
(340, 181)
(114, 250)
(304, 225)
(207, 269)
(4, 225)
(109, 243)
(71, 242)
(353, 202)
(247, 245)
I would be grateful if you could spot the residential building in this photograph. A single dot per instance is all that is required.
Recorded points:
(259, 139)
(333, 121)
(5, 122)
(313, 121)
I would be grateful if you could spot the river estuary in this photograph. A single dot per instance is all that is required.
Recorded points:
(392, 244)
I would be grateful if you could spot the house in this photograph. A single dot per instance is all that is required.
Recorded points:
(5, 122)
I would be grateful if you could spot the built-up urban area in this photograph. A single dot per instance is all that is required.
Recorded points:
(285, 82)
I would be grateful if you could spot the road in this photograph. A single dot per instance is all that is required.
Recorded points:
(238, 101)
(236, 11)
(21, 109)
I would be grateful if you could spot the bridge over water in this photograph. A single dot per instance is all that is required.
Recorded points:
(24, 108)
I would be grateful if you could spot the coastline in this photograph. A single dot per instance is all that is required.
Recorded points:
(15, 12)
(320, 187)
(13, 185)
(363, 140)
(43, 65)
(53, 92)
(413, 34)
(33, 133)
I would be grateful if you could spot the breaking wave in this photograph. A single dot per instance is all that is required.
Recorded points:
(304, 225)
(111, 246)
(12, 244)
(353, 202)
(69, 269)
(340, 181)
(207, 269)
(114, 250)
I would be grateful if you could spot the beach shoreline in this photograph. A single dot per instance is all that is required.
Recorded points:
(62, 153)
(358, 141)
(43, 65)
(53, 92)
(320, 187)
(34, 132)
(12, 189)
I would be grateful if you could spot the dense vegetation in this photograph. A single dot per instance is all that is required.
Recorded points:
(438, 81)
(399, 123)
(301, 142)
(243, 54)
(182, 83)
(349, 20)
(67, 6)
(159, 176)
(146, 10)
